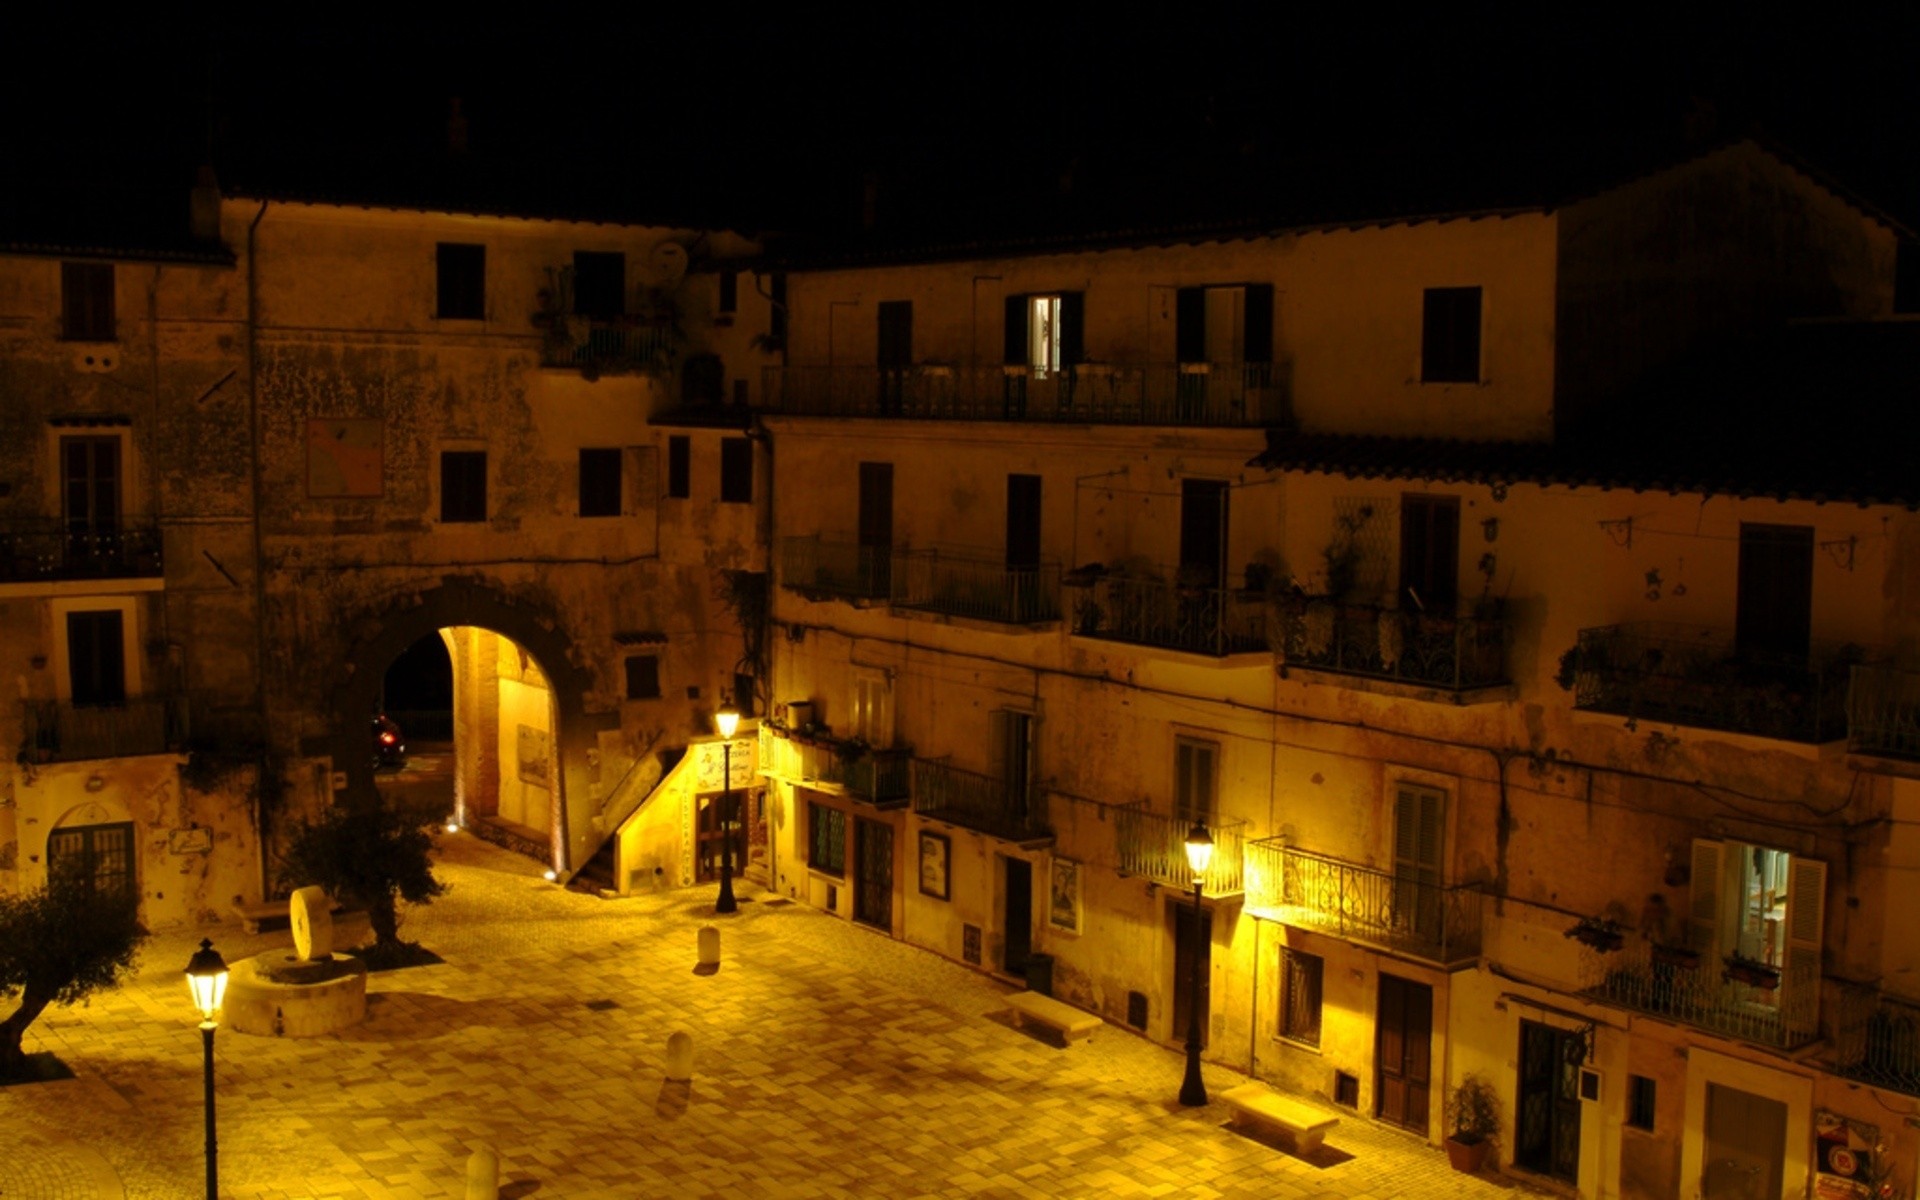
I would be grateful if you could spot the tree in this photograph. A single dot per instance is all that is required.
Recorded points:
(59, 944)
(371, 855)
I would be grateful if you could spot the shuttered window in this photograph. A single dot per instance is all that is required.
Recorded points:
(86, 302)
(1196, 779)
(1300, 996)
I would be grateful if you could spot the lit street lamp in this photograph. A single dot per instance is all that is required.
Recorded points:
(207, 977)
(726, 721)
(1193, 1090)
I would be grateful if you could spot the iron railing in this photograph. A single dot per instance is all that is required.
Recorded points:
(1436, 923)
(1692, 676)
(1876, 1039)
(1154, 846)
(979, 802)
(59, 731)
(607, 346)
(1214, 395)
(976, 586)
(879, 776)
(54, 549)
(1883, 711)
(1452, 652)
(821, 566)
(1149, 612)
(1694, 988)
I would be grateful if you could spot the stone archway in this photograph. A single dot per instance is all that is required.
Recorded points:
(383, 636)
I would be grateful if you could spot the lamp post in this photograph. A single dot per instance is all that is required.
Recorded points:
(726, 720)
(1193, 1090)
(207, 978)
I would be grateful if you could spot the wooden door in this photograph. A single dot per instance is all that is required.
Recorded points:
(894, 353)
(1192, 948)
(1746, 1143)
(1019, 919)
(1430, 554)
(873, 873)
(100, 856)
(1203, 533)
(1774, 613)
(876, 528)
(1403, 1053)
(1547, 1117)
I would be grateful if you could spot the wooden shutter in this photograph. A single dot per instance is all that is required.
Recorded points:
(1073, 325)
(1704, 905)
(1418, 833)
(1258, 342)
(1023, 520)
(1773, 613)
(1806, 923)
(1190, 325)
(1016, 331)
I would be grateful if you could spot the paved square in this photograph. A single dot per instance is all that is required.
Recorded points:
(829, 1062)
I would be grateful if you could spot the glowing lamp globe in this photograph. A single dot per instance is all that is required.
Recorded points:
(207, 979)
(1199, 848)
(726, 721)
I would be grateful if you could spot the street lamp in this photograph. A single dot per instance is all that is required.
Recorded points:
(726, 720)
(1193, 1090)
(207, 978)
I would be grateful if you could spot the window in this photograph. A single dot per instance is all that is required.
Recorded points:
(872, 710)
(1767, 907)
(1773, 613)
(643, 677)
(1228, 324)
(463, 485)
(1450, 336)
(827, 840)
(600, 471)
(1419, 859)
(86, 302)
(777, 312)
(463, 281)
(599, 284)
(1196, 775)
(1640, 1102)
(736, 470)
(96, 657)
(99, 856)
(679, 467)
(1011, 732)
(1300, 996)
(1045, 332)
(1429, 554)
(90, 484)
(729, 291)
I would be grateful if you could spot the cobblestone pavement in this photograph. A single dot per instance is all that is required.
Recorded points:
(830, 1062)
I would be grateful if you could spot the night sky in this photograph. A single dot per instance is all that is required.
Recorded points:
(1074, 116)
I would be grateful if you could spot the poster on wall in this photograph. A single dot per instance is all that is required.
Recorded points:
(1063, 896)
(1848, 1163)
(344, 457)
(713, 762)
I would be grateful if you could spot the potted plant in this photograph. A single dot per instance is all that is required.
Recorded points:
(1676, 956)
(1473, 1120)
(1602, 933)
(1750, 971)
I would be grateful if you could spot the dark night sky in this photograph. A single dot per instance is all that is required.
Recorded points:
(774, 121)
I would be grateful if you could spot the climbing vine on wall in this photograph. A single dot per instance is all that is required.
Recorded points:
(745, 595)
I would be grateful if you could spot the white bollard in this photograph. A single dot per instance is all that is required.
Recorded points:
(483, 1174)
(680, 1057)
(709, 946)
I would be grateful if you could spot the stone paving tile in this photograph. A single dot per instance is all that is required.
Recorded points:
(830, 1062)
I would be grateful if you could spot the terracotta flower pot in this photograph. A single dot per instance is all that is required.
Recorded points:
(1468, 1157)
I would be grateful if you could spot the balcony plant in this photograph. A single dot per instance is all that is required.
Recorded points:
(1750, 971)
(1473, 1121)
(1676, 956)
(1602, 933)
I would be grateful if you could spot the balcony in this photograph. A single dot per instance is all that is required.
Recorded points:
(1784, 1015)
(979, 802)
(51, 550)
(1200, 395)
(1876, 1039)
(597, 346)
(1883, 712)
(1690, 676)
(1154, 846)
(1455, 654)
(1429, 922)
(1147, 612)
(58, 731)
(977, 587)
(880, 777)
(819, 568)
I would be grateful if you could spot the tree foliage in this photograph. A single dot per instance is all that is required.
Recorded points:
(59, 944)
(369, 855)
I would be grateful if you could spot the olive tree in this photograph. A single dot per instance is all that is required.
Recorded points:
(59, 944)
(370, 855)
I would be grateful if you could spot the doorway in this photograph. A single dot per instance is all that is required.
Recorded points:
(99, 856)
(1745, 1147)
(873, 873)
(1430, 554)
(1192, 950)
(894, 353)
(716, 812)
(1547, 1120)
(876, 528)
(1019, 917)
(1403, 1053)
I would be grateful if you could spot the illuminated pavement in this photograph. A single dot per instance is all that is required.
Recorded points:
(830, 1061)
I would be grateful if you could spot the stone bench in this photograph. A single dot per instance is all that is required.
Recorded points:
(1065, 1019)
(268, 916)
(1256, 1104)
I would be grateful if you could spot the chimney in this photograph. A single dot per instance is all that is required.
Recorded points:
(203, 206)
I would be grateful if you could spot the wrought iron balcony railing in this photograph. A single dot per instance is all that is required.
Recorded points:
(53, 549)
(57, 731)
(1148, 612)
(1883, 712)
(979, 802)
(1692, 676)
(822, 567)
(1456, 653)
(1214, 395)
(607, 345)
(979, 587)
(882, 776)
(1876, 1039)
(1154, 846)
(1438, 924)
(1782, 1011)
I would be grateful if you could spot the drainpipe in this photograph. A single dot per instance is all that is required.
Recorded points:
(259, 540)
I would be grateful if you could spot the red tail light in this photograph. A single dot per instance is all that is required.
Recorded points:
(386, 739)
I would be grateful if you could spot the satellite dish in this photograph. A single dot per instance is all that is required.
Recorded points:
(668, 261)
